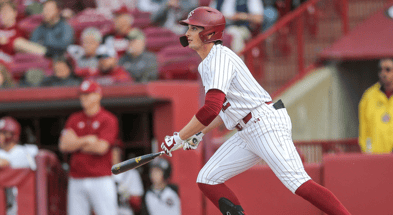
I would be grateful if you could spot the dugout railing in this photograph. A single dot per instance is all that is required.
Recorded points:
(39, 192)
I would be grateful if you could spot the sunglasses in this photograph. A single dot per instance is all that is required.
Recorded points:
(387, 69)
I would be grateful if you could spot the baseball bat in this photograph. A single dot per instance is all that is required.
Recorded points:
(137, 162)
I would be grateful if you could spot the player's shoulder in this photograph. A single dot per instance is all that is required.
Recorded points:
(373, 90)
(173, 187)
(32, 149)
(3, 154)
(106, 115)
(76, 115)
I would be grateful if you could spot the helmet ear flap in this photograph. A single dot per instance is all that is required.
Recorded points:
(204, 35)
(184, 41)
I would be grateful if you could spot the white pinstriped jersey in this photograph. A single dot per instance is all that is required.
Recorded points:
(222, 69)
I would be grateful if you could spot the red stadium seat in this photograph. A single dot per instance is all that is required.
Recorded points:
(155, 44)
(29, 24)
(137, 14)
(158, 32)
(90, 18)
(141, 23)
(174, 51)
(180, 68)
(23, 62)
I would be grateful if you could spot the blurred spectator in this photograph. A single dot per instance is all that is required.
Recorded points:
(77, 6)
(123, 33)
(113, 5)
(88, 135)
(54, 33)
(170, 12)
(376, 111)
(32, 78)
(6, 80)
(141, 64)
(161, 198)
(33, 7)
(11, 153)
(270, 14)
(15, 156)
(129, 188)
(11, 37)
(151, 6)
(63, 74)
(243, 17)
(108, 71)
(85, 56)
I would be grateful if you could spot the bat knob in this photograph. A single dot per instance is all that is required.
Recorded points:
(115, 169)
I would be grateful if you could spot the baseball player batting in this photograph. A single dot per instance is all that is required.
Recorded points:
(235, 98)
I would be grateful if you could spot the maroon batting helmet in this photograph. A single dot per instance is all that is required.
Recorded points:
(210, 19)
(9, 124)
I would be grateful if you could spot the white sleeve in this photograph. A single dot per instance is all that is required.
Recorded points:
(132, 182)
(31, 149)
(75, 51)
(136, 185)
(222, 72)
(255, 7)
(228, 8)
(213, 4)
(3, 155)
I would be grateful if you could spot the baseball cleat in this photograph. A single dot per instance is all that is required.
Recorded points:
(228, 208)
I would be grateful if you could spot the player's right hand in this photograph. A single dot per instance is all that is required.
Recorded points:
(192, 143)
(171, 143)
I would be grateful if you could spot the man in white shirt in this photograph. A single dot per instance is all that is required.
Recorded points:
(11, 153)
(14, 155)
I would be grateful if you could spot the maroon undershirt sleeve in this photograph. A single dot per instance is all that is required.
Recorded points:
(213, 103)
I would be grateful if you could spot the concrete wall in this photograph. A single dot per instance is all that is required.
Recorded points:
(324, 105)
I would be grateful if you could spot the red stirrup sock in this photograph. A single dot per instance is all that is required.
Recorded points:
(321, 198)
(215, 192)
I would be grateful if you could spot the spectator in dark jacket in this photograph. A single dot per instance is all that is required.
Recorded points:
(54, 33)
(141, 64)
(63, 74)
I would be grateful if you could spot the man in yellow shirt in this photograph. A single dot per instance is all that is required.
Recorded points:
(376, 112)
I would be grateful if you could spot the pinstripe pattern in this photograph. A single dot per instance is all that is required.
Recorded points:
(266, 136)
(268, 139)
(229, 160)
(222, 69)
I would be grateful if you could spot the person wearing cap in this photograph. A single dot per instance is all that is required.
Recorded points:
(124, 34)
(89, 135)
(161, 198)
(108, 71)
(14, 155)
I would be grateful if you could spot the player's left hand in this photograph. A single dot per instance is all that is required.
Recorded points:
(192, 143)
(171, 143)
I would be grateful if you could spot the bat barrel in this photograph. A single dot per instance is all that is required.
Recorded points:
(134, 163)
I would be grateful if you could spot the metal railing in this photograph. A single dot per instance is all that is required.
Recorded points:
(289, 49)
(313, 151)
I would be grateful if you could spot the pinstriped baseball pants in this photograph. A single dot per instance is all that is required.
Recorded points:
(266, 136)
